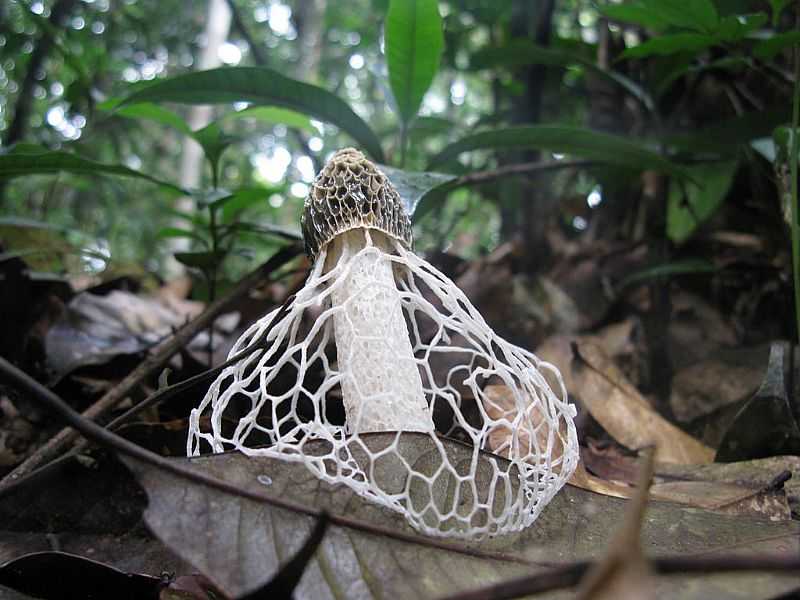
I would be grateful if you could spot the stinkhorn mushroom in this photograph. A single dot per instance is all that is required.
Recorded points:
(379, 341)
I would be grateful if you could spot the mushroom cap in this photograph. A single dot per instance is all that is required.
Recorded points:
(350, 192)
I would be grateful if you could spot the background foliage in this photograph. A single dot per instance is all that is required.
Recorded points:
(97, 100)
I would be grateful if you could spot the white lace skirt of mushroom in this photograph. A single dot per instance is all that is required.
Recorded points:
(382, 376)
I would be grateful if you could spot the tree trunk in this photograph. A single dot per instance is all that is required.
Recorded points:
(532, 20)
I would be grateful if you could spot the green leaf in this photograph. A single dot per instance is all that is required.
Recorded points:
(153, 112)
(665, 45)
(424, 127)
(523, 52)
(177, 232)
(692, 205)
(200, 260)
(698, 15)
(214, 142)
(273, 115)
(243, 199)
(777, 9)
(772, 46)
(264, 230)
(678, 267)
(43, 246)
(262, 87)
(736, 27)
(414, 44)
(413, 186)
(634, 13)
(727, 136)
(585, 143)
(17, 164)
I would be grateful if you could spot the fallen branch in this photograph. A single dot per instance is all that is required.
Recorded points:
(164, 352)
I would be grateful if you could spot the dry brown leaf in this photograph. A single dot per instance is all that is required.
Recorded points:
(725, 378)
(500, 403)
(725, 498)
(710, 488)
(625, 414)
(586, 481)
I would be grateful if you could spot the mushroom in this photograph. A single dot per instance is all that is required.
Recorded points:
(349, 378)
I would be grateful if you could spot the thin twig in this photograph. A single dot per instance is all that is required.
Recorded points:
(57, 444)
(103, 437)
(519, 169)
(168, 392)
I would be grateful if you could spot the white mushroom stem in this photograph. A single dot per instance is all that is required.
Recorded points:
(381, 387)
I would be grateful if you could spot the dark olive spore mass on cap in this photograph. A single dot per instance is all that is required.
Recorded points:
(350, 192)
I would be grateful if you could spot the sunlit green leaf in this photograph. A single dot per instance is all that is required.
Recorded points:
(691, 205)
(243, 199)
(153, 112)
(274, 116)
(214, 142)
(584, 143)
(414, 44)
(260, 86)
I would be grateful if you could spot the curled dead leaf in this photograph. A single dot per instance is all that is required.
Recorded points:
(624, 413)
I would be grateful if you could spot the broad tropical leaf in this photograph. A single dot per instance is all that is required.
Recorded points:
(585, 143)
(262, 87)
(414, 44)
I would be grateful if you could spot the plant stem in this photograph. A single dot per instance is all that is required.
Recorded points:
(403, 144)
(212, 276)
(795, 227)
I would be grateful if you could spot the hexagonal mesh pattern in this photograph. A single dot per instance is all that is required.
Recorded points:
(351, 192)
(307, 394)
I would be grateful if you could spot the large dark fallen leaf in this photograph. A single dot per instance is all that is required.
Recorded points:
(766, 425)
(239, 543)
(90, 510)
(58, 575)
(286, 580)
